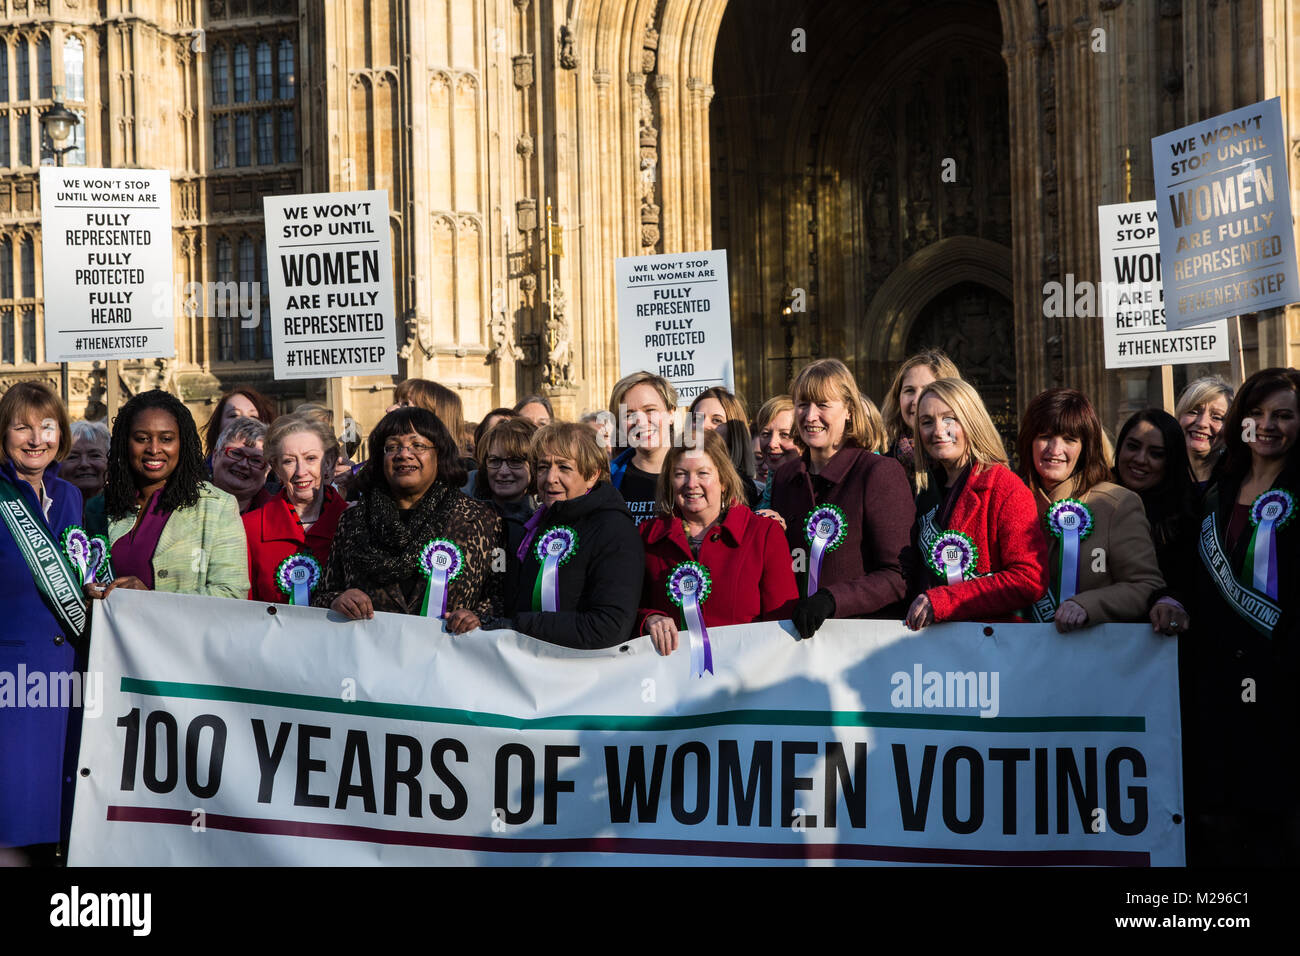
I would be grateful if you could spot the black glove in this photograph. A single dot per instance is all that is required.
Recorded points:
(811, 612)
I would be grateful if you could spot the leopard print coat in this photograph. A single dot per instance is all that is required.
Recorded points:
(377, 547)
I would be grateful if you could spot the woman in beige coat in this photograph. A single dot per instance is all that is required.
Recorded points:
(1102, 561)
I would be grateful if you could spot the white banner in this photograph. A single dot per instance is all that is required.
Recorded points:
(1133, 299)
(281, 736)
(674, 319)
(106, 247)
(330, 268)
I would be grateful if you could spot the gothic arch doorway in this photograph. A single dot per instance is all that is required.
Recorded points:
(975, 325)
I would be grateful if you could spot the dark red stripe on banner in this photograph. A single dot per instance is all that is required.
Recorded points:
(642, 845)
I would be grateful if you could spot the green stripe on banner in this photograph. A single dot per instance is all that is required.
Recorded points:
(778, 718)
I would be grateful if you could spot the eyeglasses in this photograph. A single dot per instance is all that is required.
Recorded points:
(494, 464)
(252, 458)
(418, 449)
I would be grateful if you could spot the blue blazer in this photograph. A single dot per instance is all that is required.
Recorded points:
(35, 789)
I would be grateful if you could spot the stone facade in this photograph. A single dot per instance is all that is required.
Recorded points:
(807, 139)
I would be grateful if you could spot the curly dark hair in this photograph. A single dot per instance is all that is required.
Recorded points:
(404, 421)
(182, 488)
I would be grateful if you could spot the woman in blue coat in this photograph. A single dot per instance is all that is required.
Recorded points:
(43, 612)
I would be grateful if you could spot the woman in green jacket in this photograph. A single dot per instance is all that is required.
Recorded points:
(168, 528)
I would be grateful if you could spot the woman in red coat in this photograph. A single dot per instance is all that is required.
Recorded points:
(703, 529)
(978, 549)
(289, 537)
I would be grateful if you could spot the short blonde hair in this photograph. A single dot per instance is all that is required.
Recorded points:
(711, 444)
(570, 440)
(875, 426)
(308, 423)
(940, 366)
(629, 382)
(770, 409)
(830, 380)
(983, 443)
(1202, 391)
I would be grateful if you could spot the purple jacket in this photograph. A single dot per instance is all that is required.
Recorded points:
(865, 573)
(35, 789)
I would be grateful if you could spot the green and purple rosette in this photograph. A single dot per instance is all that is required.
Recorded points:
(553, 549)
(1269, 513)
(441, 562)
(100, 568)
(689, 585)
(825, 529)
(953, 557)
(296, 577)
(76, 545)
(1069, 520)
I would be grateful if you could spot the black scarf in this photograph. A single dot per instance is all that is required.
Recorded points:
(391, 550)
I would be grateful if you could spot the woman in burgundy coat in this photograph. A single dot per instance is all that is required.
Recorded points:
(848, 512)
(302, 519)
(979, 551)
(702, 518)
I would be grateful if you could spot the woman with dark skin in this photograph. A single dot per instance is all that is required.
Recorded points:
(162, 510)
(411, 503)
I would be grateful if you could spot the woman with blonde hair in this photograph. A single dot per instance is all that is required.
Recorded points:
(899, 414)
(645, 404)
(773, 441)
(846, 509)
(1201, 410)
(978, 549)
(297, 525)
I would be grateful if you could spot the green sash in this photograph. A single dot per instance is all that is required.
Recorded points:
(55, 577)
(1258, 610)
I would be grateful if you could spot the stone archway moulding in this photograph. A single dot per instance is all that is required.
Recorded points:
(926, 274)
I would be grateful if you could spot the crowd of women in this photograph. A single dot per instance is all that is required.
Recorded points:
(658, 521)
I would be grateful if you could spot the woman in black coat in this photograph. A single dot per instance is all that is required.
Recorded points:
(1151, 459)
(581, 560)
(1240, 708)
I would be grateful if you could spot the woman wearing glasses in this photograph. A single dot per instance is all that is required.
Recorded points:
(239, 466)
(504, 480)
(414, 544)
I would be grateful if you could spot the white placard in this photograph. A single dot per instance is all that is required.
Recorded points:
(330, 267)
(674, 319)
(1133, 300)
(106, 240)
(1226, 230)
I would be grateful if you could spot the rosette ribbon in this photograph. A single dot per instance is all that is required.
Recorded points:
(689, 585)
(1070, 521)
(441, 562)
(1268, 513)
(98, 567)
(553, 549)
(76, 545)
(825, 529)
(953, 556)
(297, 576)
